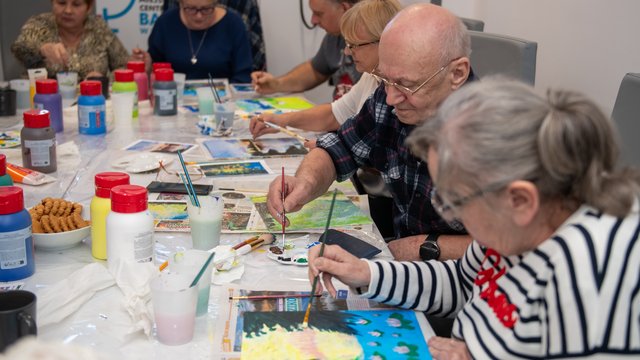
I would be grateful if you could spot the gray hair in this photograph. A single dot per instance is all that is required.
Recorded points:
(499, 130)
(456, 42)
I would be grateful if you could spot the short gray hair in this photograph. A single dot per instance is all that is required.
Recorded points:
(499, 130)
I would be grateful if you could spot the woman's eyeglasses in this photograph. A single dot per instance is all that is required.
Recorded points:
(195, 173)
(450, 210)
(352, 47)
(192, 11)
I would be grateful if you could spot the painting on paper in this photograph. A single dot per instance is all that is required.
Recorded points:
(373, 334)
(234, 168)
(248, 148)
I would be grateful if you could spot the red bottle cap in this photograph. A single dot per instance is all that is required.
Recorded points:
(35, 118)
(136, 66)
(160, 65)
(105, 181)
(46, 86)
(123, 75)
(163, 74)
(11, 200)
(3, 165)
(90, 88)
(128, 199)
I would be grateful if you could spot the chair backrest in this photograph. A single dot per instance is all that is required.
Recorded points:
(626, 117)
(473, 24)
(501, 54)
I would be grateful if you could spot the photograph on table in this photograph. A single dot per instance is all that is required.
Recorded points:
(249, 148)
(383, 334)
(234, 168)
(160, 146)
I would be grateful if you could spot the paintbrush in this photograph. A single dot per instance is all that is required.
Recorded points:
(305, 321)
(262, 297)
(283, 210)
(285, 130)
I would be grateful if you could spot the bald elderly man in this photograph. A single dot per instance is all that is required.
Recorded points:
(418, 68)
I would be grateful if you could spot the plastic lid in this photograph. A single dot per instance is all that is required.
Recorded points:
(163, 74)
(123, 75)
(136, 66)
(35, 118)
(160, 65)
(91, 87)
(46, 86)
(3, 165)
(128, 199)
(107, 180)
(11, 200)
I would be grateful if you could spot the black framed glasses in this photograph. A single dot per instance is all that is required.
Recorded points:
(192, 11)
(403, 89)
(352, 47)
(450, 210)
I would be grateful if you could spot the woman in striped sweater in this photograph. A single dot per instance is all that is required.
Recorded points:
(554, 268)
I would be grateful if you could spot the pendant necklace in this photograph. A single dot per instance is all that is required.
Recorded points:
(194, 56)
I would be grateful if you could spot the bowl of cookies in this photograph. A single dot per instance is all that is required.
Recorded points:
(58, 224)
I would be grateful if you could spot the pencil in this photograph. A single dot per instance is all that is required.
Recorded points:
(261, 297)
(286, 131)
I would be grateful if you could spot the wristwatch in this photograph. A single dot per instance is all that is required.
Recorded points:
(429, 250)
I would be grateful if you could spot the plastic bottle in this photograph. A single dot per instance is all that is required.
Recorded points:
(141, 78)
(16, 243)
(91, 108)
(124, 84)
(165, 93)
(38, 142)
(48, 98)
(129, 226)
(5, 179)
(100, 208)
(152, 78)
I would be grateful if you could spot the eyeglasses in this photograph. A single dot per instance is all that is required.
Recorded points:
(403, 89)
(195, 173)
(352, 47)
(449, 210)
(207, 10)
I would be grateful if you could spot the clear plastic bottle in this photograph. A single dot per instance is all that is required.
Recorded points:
(5, 179)
(124, 83)
(16, 243)
(100, 208)
(48, 98)
(129, 226)
(38, 142)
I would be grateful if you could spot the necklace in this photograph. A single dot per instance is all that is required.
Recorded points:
(194, 56)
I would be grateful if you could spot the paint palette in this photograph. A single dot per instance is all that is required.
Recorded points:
(292, 255)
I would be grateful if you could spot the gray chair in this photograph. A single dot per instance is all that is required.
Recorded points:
(473, 24)
(501, 54)
(626, 117)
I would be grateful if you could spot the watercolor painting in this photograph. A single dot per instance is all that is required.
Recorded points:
(221, 85)
(172, 216)
(243, 88)
(288, 103)
(248, 148)
(159, 146)
(234, 168)
(314, 214)
(373, 334)
(9, 139)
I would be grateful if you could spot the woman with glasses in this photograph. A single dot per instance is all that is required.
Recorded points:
(553, 270)
(70, 38)
(200, 38)
(361, 27)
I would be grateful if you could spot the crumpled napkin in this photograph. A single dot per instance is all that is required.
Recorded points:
(228, 267)
(60, 300)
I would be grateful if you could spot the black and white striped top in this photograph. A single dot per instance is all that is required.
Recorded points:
(577, 294)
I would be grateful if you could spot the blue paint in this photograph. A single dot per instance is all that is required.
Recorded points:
(16, 243)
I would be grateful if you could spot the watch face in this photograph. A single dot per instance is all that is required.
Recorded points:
(429, 250)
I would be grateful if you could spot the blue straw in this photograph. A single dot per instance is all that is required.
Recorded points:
(189, 184)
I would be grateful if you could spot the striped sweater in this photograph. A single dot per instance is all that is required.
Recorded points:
(576, 294)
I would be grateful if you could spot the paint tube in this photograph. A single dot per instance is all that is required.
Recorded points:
(27, 176)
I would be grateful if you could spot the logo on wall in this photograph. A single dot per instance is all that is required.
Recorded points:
(132, 20)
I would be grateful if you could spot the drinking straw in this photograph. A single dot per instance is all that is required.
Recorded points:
(202, 270)
(305, 321)
(189, 184)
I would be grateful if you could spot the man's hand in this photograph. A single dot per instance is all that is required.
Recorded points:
(407, 249)
(337, 262)
(263, 82)
(55, 53)
(257, 127)
(296, 194)
(446, 348)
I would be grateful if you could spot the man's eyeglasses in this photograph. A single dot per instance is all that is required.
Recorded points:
(449, 210)
(352, 47)
(195, 173)
(207, 10)
(403, 89)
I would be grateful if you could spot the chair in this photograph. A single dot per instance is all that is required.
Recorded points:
(473, 24)
(626, 117)
(501, 54)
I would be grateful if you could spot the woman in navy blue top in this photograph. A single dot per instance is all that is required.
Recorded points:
(199, 38)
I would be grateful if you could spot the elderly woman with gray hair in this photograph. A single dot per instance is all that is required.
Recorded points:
(553, 270)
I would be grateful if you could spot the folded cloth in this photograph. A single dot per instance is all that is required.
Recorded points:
(60, 300)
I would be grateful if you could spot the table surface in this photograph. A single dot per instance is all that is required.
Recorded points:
(101, 322)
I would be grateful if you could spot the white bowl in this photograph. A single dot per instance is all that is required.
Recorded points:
(61, 240)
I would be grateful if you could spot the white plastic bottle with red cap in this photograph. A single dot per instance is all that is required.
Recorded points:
(129, 227)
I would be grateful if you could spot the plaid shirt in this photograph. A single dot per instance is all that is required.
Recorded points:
(376, 138)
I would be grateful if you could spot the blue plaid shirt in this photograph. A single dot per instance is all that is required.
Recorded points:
(376, 138)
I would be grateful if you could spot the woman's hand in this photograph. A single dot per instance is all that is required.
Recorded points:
(55, 53)
(138, 54)
(446, 348)
(340, 264)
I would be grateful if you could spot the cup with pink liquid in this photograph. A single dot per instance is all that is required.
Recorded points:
(174, 307)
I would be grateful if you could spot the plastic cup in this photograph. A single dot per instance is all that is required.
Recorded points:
(189, 263)
(205, 100)
(68, 84)
(224, 113)
(23, 100)
(174, 307)
(206, 222)
(180, 80)
(122, 107)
